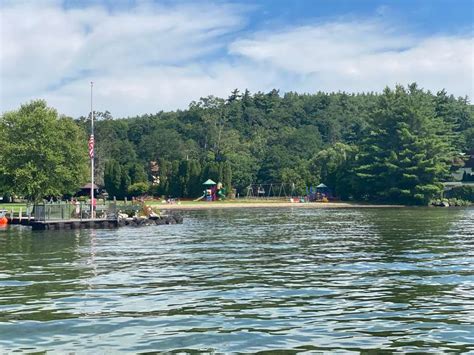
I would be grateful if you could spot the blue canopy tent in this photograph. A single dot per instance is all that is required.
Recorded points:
(323, 191)
(319, 192)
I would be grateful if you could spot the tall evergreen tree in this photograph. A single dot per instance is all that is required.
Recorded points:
(137, 173)
(125, 183)
(174, 180)
(165, 175)
(406, 153)
(194, 183)
(211, 171)
(227, 176)
(183, 176)
(112, 178)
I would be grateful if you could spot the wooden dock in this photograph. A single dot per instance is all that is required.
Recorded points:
(96, 223)
(74, 224)
(51, 217)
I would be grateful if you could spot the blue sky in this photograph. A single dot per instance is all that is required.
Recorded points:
(147, 56)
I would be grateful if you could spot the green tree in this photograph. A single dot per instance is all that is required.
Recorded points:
(334, 166)
(125, 183)
(43, 153)
(458, 116)
(112, 178)
(137, 173)
(183, 176)
(296, 178)
(265, 137)
(165, 176)
(174, 187)
(210, 171)
(138, 189)
(227, 176)
(194, 184)
(405, 156)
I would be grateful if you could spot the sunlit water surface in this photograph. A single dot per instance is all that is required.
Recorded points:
(245, 280)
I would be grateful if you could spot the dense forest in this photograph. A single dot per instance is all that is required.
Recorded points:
(395, 146)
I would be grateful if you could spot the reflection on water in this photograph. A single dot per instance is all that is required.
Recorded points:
(246, 281)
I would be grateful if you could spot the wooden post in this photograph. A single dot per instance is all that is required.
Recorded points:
(19, 217)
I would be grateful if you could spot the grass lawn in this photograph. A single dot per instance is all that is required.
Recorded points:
(13, 206)
(223, 202)
(157, 203)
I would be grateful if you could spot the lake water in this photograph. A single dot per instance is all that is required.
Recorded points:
(245, 280)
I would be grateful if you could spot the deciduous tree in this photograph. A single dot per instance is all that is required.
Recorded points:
(42, 153)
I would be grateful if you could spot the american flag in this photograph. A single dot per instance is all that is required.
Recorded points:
(91, 146)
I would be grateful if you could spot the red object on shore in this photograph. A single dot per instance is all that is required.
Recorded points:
(3, 221)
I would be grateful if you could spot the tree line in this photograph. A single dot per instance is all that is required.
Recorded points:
(395, 146)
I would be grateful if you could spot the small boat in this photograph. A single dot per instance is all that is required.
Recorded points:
(3, 219)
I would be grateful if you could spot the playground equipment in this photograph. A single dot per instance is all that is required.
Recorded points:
(210, 191)
(213, 191)
(221, 192)
(270, 190)
(321, 193)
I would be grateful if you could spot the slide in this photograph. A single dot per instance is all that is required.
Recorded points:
(222, 194)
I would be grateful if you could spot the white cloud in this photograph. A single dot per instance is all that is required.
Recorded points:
(144, 59)
(363, 56)
(152, 57)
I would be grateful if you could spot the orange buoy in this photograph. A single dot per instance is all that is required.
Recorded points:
(3, 221)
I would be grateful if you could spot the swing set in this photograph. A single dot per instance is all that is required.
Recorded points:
(270, 190)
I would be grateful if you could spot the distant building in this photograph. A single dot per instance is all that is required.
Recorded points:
(464, 176)
(466, 172)
(86, 190)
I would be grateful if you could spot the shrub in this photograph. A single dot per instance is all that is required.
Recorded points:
(462, 193)
(138, 189)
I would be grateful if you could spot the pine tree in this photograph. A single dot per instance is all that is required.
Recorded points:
(211, 171)
(174, 180)
(165, 177)
(406, 154)
(194, 184)
(183, 176)
(227, 176)
(112, 178)
(137, 173)
(125, 183)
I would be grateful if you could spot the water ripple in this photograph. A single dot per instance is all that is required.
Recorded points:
(245, 281)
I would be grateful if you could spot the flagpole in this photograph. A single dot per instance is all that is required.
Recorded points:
(91, 154)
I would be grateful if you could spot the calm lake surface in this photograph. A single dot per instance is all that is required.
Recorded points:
(245, 280)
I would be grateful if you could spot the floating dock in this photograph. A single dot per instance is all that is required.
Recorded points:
(54, 217)
(97, 223)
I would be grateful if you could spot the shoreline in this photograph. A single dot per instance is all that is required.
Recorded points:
(235, 205)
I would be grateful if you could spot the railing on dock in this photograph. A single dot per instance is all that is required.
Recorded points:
(71, 211)
(20, 215)
(58, 211)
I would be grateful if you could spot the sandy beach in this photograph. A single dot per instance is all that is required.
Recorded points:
(237, 204)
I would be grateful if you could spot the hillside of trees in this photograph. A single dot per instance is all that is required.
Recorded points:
(395, 146)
